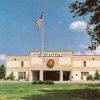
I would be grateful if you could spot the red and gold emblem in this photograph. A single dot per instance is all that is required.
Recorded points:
(50, 63)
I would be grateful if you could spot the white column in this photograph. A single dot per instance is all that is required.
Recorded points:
(61, 75)
(71, 76)
(30, 76)
(41, 75)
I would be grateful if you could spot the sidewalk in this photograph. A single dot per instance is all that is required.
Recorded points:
(57, 82)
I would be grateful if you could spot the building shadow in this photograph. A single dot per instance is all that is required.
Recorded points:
(72, 94)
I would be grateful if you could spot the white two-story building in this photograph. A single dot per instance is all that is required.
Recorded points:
(54, 65)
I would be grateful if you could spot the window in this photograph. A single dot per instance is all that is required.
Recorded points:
(19, 75)
(22, 63)
(15, 59)
(22, 75)
(87, 73)
(84, 74)
(84, 63)
(92, 58)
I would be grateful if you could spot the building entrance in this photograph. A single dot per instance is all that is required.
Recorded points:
(51, 75)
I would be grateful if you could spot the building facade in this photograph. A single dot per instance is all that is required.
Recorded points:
(57, 66)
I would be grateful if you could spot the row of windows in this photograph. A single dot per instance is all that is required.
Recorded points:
(84, 74)
(22, 63)
(22, 75)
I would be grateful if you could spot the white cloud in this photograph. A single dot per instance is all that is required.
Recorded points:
(78, 26)
(83, 46)
(94, 52)
(97, 51)
(86, 51)
(78, 53)
(2, 57)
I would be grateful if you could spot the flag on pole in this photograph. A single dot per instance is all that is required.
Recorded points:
(39, 22)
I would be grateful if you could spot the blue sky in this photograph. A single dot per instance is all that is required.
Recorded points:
(19, 33)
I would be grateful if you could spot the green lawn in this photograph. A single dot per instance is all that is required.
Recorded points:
(27, 91)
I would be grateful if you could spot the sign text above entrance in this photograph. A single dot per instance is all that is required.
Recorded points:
(47, 54)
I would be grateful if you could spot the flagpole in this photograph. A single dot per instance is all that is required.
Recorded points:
(40, 24)
(42, 36)
(42, 44)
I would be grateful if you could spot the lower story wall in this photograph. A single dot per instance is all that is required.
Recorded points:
(76, 75)
(19, 75)
(82, 75)
(29, 75)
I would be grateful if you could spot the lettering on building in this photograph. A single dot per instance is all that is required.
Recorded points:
(46, 54)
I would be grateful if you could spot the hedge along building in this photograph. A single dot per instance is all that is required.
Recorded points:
(56, 66)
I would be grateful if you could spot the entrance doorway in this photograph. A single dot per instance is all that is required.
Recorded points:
(36, 75)
(51, 75)
(66, 75)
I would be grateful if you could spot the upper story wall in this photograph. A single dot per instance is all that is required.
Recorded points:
(36, 61)
(60, 58)
(86, 61)
(17, 61)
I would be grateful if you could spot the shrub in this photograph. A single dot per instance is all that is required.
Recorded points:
(48, 82)
(11, 76)
(7, 78)
(90, 77)
(40, 82)
(35, 82)
(43, 82)
(97, 75)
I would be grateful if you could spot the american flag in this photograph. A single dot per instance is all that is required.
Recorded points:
(39, 22)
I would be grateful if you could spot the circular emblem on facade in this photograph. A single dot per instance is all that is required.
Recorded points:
(50, 63)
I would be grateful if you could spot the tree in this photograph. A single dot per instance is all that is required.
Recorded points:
(97, 75)
(91, 8)
(2, 72)
(11, 76)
